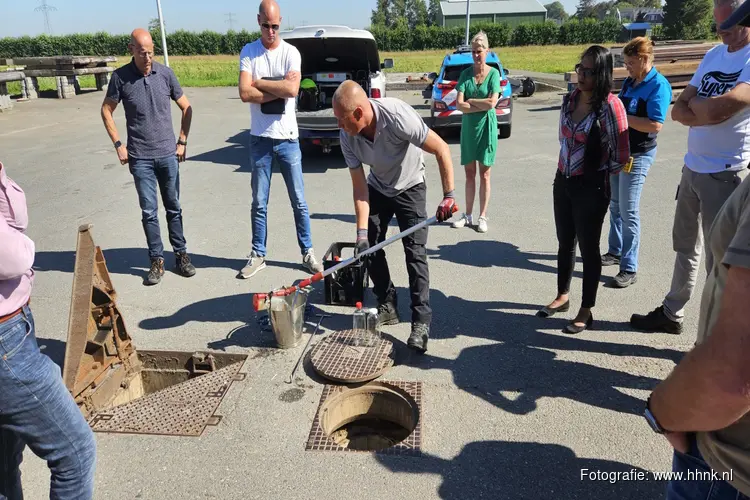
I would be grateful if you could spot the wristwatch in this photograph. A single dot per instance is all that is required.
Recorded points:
(651, 419)
(118, 144)
(183, 143)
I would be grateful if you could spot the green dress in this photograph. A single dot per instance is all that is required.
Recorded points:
(478, 130)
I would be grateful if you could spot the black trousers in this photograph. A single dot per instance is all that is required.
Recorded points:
(580, 204)
(410, 209)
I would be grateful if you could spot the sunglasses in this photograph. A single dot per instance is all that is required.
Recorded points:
(587, 72)
(269, 26)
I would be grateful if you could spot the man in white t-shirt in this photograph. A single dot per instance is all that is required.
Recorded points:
(715, 107)
(270, 73)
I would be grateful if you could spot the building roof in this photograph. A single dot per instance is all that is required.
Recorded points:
(478, 7)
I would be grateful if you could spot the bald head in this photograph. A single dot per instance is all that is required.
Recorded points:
(141, 37)
(142, 49)
(268, 8)
(349, 95)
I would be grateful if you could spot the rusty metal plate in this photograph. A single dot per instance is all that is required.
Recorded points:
(338, 358)
(318, 440)
(183, 409)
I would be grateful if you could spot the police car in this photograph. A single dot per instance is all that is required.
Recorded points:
(442, 91)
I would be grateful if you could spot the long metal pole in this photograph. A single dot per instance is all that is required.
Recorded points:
(468, 3)
(163, 33)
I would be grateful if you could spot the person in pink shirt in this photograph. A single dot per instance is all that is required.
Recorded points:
(36, 409)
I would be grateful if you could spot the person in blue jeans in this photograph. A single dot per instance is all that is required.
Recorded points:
(36, 409)
(270, 73)
(146, 89)
(646, 95)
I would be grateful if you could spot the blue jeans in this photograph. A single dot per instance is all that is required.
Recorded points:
(700, 487)
(37, 410)
(163, 173)
(624, 211)
(264, 152)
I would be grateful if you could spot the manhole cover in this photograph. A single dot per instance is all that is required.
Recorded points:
(339, 358)
(379, 417)
(183, 409)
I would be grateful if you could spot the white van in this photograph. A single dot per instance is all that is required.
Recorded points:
(330, 55)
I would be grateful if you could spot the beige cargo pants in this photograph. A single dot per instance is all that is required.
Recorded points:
(699, 199)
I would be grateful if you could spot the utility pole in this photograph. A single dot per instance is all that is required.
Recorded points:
(230, 20)
(46, 9)
(467, 21)
(163, 34)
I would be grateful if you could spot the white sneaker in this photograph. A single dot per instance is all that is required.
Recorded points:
(465, 220)
(310, 263)
(254, 264)
(482, 227)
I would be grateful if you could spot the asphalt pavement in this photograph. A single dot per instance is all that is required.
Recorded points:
(513, 407)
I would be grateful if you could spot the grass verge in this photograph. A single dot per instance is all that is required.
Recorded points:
(222, 71)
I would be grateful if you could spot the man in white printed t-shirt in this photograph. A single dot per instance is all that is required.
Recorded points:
(269, 80)
(715, 107)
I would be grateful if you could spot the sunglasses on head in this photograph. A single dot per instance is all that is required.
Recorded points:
(269, 26)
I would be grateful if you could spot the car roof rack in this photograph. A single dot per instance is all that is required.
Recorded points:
(462, 49)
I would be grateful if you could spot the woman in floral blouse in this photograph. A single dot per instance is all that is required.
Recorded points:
(594, 143)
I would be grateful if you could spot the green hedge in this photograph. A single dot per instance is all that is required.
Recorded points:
(186, 43)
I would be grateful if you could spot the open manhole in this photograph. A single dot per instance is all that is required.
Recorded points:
(340, 357)
(120, 389)
(380, 417)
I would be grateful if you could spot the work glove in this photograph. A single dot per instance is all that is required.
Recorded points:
(362, 243)
(446, 208)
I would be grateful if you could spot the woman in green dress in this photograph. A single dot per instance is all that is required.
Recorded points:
(478, 91)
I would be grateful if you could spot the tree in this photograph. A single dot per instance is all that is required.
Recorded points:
(433, 12)
(688, 19)
(555, 10)
(399, 9)
(381, 15)
(416, 13)
(586, 8)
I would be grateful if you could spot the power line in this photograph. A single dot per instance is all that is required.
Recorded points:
(46, 9)
(230, 20)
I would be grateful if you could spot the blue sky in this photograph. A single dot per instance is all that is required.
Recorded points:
(17, 17)
(79, 16)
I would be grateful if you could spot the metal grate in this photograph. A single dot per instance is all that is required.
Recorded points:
(412, 445)
(184, 409)
(338, 358)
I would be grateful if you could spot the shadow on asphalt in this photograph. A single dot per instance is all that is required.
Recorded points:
(237, 153)
(135, 261)
(512, 470)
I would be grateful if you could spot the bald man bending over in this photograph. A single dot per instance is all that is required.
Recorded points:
(389, 135)
(145, 88)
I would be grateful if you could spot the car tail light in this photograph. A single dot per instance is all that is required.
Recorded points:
(440, 105)
(447, 85)
(503, 103)
(375, 93)
(503, 83)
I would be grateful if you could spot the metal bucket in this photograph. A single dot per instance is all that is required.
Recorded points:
(287, 318)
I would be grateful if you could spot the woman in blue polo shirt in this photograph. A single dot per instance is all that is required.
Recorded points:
(646, 95)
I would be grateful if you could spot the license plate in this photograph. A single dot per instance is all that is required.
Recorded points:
(331, 77)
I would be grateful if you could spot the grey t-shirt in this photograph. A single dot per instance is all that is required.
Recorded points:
(395, 156)
(147, 101)
(727, 449)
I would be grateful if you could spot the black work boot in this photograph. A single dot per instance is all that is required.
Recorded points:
(388, 312)
(656, 321)
(183, 264)
(156, 272)
(609, 259)
(420, 333)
